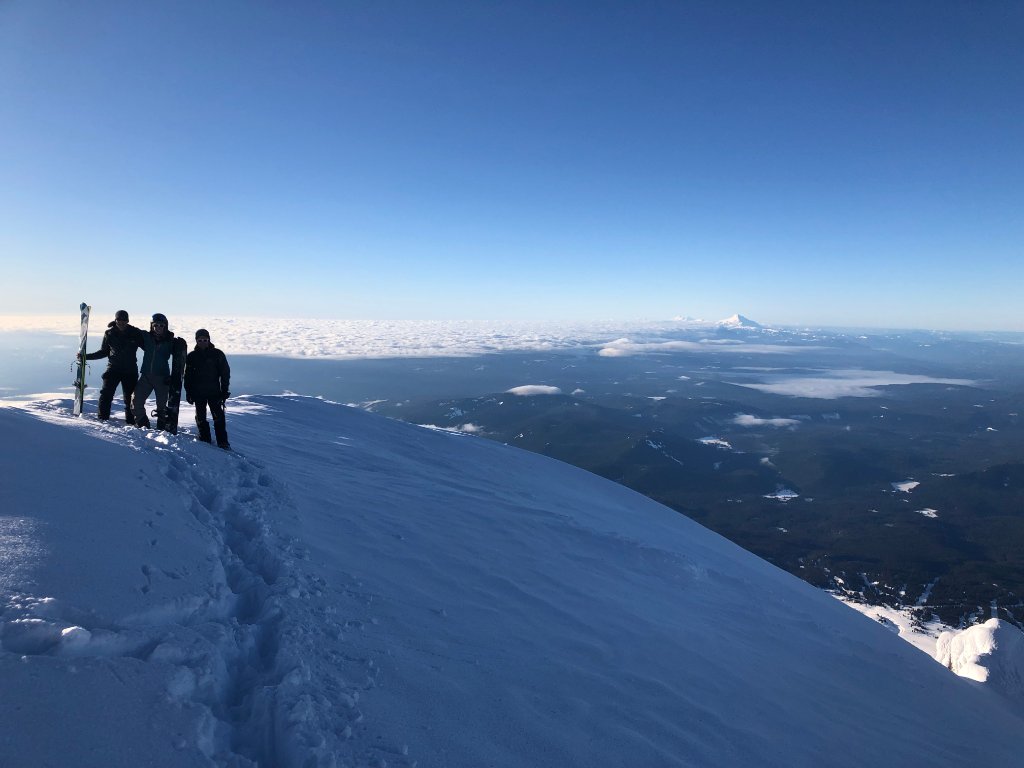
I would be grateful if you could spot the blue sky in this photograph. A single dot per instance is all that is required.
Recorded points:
(802, 163)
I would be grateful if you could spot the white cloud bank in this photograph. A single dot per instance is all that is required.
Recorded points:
(364, 339)
(845, 383)
(628, 347)
(749, 420)
(906, 486)
(534, 389)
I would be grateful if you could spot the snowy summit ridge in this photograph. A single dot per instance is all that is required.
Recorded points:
(359, 591)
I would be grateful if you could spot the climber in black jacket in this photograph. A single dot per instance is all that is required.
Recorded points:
(207, 377)
(121, 342)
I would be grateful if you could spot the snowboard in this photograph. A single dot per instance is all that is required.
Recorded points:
(178, 353)
(80, 373)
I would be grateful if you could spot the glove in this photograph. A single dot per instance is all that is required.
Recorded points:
(189, 399)
(224, 395)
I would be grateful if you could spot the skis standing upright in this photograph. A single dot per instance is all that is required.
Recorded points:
(178, 352)
(80, 375)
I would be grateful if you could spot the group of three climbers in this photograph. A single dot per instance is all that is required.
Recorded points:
(207, 374)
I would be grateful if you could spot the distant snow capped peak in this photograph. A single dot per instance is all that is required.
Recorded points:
(739, 321)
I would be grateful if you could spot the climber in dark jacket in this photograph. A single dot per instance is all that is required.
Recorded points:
(121, 342)
(162, 355)
(207, 377)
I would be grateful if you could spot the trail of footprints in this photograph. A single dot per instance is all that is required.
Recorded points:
(275, 669)
(262, 651)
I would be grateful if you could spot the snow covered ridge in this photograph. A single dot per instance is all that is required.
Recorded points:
(351, 590)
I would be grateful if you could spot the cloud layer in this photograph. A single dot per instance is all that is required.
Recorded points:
(534, 389)
(749, 420)
(353, 339)
(844, 383)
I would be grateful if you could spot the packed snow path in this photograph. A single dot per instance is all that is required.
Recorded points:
(185, 577)
(353, 591)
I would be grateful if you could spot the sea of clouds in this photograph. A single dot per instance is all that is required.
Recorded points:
(376, 339)
(352, 339)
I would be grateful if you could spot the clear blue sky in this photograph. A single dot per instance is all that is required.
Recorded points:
(799, 162)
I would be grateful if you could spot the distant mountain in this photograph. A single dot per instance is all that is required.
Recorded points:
(739, 321)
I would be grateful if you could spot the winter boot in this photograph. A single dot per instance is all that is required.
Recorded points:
(204, 431)
(220, 428)
(103, 407)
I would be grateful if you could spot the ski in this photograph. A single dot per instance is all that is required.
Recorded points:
(80, 375)
(178, 353)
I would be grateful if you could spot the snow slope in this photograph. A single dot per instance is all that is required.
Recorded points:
(357, 591)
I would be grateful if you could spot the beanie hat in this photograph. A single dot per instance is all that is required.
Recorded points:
(159, 318)
(202, 333)
(121, 315)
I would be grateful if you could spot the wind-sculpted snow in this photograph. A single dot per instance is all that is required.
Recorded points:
(355, 591)
(992, 652)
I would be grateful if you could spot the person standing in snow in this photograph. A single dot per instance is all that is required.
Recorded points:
(121, 342)
(159, 345)
(207, 377)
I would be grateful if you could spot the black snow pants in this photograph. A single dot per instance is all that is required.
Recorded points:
(220, 428)
(112, 379)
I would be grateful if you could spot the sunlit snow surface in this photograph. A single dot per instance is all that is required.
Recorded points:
(347, 590)
(991, 652)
